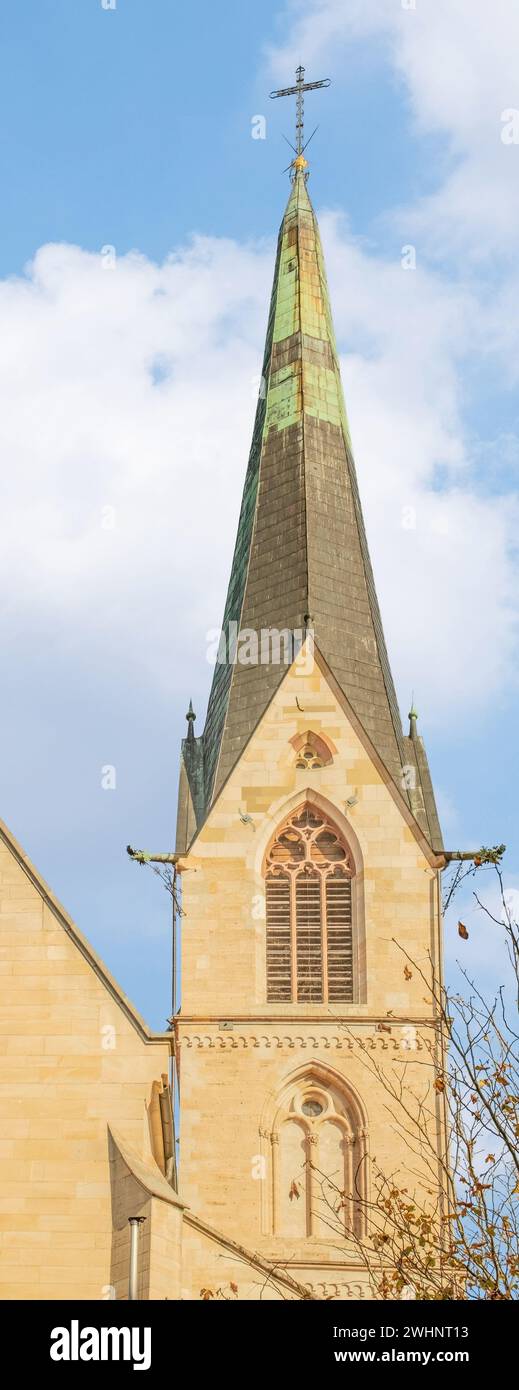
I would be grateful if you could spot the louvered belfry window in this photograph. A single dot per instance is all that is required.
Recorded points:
(309, 913)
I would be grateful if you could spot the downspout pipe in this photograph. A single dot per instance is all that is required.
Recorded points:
(133, 1279)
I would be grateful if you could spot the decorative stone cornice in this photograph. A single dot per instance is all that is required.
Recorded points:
(294, 1019)
(344, 1292)
(312, 1042)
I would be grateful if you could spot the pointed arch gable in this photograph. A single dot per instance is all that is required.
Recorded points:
(282, 809)
(321, 1072)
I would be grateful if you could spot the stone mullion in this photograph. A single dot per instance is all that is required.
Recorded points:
(311, 1164)
(324, 939)
(274, 1141)
(361, 1160)
(293, 938)
(350, 1205)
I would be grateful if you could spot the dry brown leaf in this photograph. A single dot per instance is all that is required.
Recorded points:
(462, 931)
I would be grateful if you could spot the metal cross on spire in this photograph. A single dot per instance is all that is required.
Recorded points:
(298, 91)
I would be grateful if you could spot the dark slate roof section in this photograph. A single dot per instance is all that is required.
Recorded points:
(423, 803)
(301, 547)
(191, 792)
(219, 696)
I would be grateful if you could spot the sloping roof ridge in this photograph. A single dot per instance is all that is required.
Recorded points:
(378, 627)
(255, 451)
(387, 777)
(79, 940)
(252, 1257)
(151, 1179)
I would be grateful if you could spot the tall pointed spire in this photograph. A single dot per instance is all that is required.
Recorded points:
(301, 547)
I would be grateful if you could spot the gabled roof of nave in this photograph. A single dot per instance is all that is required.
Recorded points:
(79, 941)
(301, 556)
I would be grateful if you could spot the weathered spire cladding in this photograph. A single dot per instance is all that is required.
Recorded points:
(301, 557)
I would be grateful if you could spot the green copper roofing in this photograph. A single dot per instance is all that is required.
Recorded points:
(301, 546)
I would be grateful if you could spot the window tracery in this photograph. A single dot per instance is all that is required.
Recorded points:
(308, 892)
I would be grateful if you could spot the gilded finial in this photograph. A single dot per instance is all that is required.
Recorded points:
(299, 165)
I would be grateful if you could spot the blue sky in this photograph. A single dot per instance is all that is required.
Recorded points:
(134, 390)
(121, 126)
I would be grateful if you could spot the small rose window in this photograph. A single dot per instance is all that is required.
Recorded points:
(312, 750)
(312, 1107)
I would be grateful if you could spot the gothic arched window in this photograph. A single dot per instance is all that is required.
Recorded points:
(309, 931)
(315, 1132)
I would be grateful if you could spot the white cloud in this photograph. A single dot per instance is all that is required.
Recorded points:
(86, 427)
(443, 559)
(423, 333)
(458, 62)
(134, 389)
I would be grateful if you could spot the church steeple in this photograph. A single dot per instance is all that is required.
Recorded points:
(307, 839)
(301, 556)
